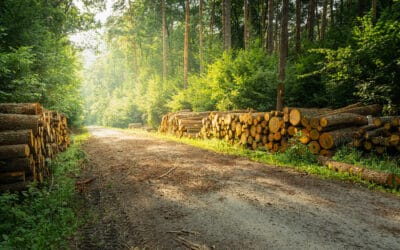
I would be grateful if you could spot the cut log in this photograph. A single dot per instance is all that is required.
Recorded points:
(10, 177)
(21, 108)
(18, 122)
(14, 151)
(11, 137)
(326, 152)
(275, 124)
(342, 118)
(337, 138)
(314, 147)
(296, 114)
(18, 164)
(314, 134)
(373, 109)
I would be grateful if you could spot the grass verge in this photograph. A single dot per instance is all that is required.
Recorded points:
(45, 217)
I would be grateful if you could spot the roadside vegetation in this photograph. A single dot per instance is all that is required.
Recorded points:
(45, 217)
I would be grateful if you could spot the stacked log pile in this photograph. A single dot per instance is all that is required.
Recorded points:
(323, 130)
(29, 137)
(183, 123)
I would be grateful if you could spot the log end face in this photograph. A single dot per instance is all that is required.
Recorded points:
(326, 141)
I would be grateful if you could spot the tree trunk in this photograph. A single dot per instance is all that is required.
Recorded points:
(283, 54)
(270, 31)
(324, 19)
(164, 42)
(342, 118)
(263, 19)
(298, 27)
(373, 11)
(21, 108)
(186, 45)
(311, 20)
(18, 164)
(332, 18)
(247, 24)
(201, 36)
(17, 122)
(227, 25)
(134, 52)
(14, 151)
(212, 18)
(12, 137)
(337, 138)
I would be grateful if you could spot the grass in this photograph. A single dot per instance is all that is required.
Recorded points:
(44, 217)
(297, 157)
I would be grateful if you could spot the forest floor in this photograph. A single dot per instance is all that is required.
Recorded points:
(157, 194)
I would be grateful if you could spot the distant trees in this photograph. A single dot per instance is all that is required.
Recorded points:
(233, 57)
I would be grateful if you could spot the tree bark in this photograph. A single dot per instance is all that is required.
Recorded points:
(134, 49)
(342, 118)
(11, 137)
(227, 25)
(283, 54)
(164, 42)
(212, 17)
(373, 11)
(186, 45)
(247, 28)
(263, 19)
(14, 151)
(311, 20)
(270, 31)
(332, 18)
(337, 138)
(17, 122)
(324, 18)
(298, 27)
(201, 36)
(21, 108)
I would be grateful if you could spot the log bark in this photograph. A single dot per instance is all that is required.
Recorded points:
(18, 122)
(21, 108)
(342, 118)
(373, 109)
(296, 114)
(337, 138)
(11, 137)
(26, 164)
(14, 151)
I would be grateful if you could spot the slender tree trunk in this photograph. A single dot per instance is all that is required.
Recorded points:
(186, 45)
(247, 28)
(373, 11)
(317, 20)
(331, 5)
(341, 12)
(276, 32)
(324, 20)
(298, 23)
(201, 36)
(212, 18)
(227, 25)
(134, 47)
(164, 42)
(283, 54)
(270, 32)
(311, 20)
(263, 17)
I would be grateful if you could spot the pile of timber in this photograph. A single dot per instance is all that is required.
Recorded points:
(29, 137)
(323, 130)
(380, 136)
(183, 123)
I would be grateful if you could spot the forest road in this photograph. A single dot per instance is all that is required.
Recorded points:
(150, 193)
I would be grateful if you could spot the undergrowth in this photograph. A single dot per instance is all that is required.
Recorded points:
(44, 217)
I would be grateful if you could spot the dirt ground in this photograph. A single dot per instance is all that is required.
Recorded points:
(149, 193)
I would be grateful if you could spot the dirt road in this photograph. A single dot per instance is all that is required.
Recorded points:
(156, 194)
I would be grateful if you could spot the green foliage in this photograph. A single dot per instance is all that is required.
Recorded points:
(384, 162)
(297, 154)
(44, 217)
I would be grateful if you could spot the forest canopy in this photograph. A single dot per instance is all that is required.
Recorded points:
(165, 56)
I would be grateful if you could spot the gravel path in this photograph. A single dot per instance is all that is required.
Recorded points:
(156, 194)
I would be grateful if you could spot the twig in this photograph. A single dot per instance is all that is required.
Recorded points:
(191, 245)
(184, 232)
(167, 173)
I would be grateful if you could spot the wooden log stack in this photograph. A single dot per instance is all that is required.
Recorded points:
(29, 137)
(323, 130)
(183, 123)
